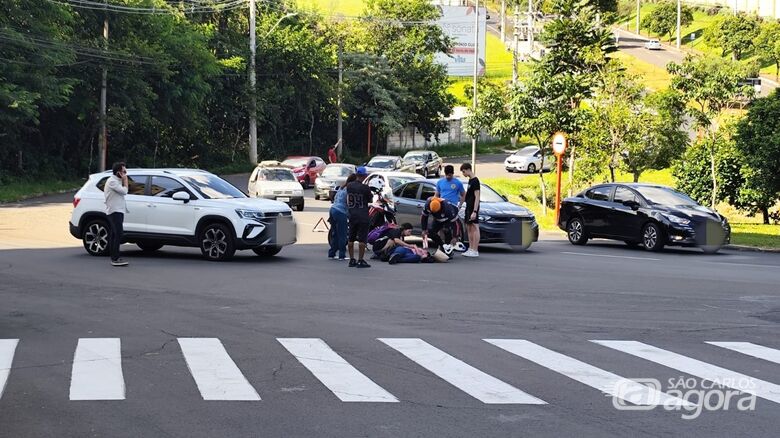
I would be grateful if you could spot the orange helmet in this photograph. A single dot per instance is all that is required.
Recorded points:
(435, 205)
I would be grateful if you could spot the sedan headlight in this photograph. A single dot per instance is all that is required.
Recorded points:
(250, 214)
(484, 218)
(677, 219)
(298, 192)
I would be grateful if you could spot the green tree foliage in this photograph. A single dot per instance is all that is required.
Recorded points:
(768, 45)
(663, 20)
(758, 140)
(735, 34)
(693, 173)
(491, 107)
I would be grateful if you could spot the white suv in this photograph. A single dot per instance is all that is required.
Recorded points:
(183, 207)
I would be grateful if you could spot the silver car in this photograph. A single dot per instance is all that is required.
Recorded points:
(332, 177)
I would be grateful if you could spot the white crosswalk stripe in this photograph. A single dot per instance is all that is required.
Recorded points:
(97, 370)
(605, 381)
(215, 373)
(344, 380)
(703, 370)
(7, 350)
(751, 349)
(468, 379)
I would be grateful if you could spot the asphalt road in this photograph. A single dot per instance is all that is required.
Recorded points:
(559, 297)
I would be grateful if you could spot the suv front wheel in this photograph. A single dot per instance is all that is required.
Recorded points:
(216, 242)
(95, 237)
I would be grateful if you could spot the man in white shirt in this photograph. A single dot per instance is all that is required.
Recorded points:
(115, 191)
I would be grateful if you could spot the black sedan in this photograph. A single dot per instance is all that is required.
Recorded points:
(650, 215)
(500, 221)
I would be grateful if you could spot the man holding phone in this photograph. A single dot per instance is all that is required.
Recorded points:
(115, 191)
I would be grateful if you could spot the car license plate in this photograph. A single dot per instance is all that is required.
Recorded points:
(283, 199)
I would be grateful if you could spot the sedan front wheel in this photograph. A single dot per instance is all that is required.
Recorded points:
(652, 237)
(575, 230)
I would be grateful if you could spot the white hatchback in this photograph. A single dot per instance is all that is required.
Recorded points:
(527, 159)
(653, 45)
(183, 207)
(277, 183)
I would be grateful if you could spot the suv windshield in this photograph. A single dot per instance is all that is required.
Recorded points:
(296, 162)
(337, 171)
(277, 175)
(213, 187)
(383, 163)
(664, 196)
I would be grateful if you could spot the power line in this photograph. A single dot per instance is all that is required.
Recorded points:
(167, 8)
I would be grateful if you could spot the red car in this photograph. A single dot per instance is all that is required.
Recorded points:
(306, 169)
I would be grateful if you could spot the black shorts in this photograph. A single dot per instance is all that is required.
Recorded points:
(468, 216)
(358, 230)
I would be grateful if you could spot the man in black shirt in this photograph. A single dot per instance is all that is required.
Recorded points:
(472, 210)
(359, 197)
(445, 218)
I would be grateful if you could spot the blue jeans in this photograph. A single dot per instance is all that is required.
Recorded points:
(338, 224)
(407, 255)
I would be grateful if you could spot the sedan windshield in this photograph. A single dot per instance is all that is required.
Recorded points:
(295, 162)
(414, 157)
(213, 187)
(664, 196)
(396, 181)
(337, 171)
(486, 194)
(383, 163)
(278, 175)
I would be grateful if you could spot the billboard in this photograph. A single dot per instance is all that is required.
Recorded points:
(457, 22)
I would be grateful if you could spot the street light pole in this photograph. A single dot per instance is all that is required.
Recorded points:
(638, 14)
(252, 85)
(476, 72)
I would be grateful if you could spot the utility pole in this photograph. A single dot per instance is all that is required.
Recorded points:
(252, 85)
(514, 59)
(638, 13)
(679, 12)
(530, 28)
(339, 132)
(103, 134)
(476, 72)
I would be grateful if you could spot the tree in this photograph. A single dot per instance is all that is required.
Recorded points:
(663, 20)
(768, 45)
(711, 84)
(491, 106)
(734, 34)
(758, 140)
(693, 172)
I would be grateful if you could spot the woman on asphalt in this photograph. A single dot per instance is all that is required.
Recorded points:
(338, 222)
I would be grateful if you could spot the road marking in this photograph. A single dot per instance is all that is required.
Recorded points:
(97, 370)
(703, 370)
(752, 265)
(606, 382)
(215, 373)
(607, 256)
(7, 350)
(463, 376)
(751, 349)
(344, 380)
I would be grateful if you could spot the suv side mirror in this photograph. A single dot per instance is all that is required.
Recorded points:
(181, 196)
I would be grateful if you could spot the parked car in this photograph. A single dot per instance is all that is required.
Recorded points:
(425, 163)
(528, 159)
(653, 45)
(386, 182)
(332, 177)
(277, 183)
(388, 163)
(305, 169)
(183, 207)
(496, 213)
(650, 215)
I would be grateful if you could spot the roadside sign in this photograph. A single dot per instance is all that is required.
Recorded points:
(559, 143)
(321, 226)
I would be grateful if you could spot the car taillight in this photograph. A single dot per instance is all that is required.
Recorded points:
(76, 202)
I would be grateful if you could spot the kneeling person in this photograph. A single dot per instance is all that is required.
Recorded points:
(445, 218)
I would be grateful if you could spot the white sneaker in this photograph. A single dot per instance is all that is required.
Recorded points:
(471, 253)
(460, 247)
(447, 248)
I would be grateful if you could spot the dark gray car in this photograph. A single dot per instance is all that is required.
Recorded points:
(426, 163)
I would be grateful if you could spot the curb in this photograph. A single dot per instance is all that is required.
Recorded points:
(752, 248)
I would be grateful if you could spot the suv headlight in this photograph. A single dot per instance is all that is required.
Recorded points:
(677, 219)
(250, 214)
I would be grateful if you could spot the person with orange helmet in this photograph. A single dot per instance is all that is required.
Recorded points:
(445, 218)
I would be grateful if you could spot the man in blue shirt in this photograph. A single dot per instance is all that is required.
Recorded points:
(450, 188)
